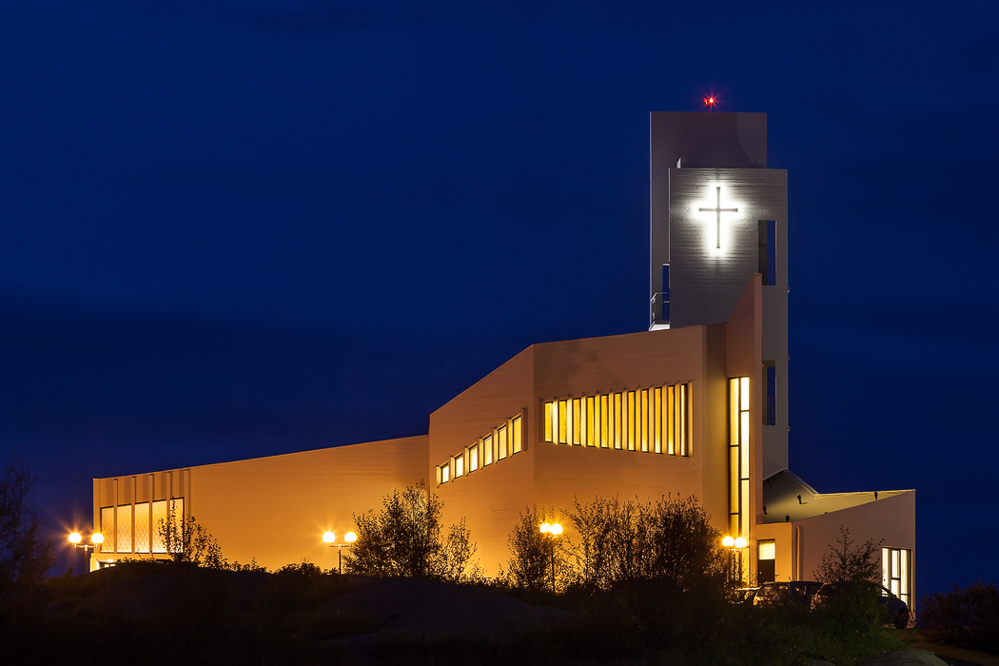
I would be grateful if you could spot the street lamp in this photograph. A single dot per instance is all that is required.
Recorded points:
(96, 539)
(329, 538)
(735, 546)
(552, 530)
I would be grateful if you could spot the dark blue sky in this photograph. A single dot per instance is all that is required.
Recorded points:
(250, 227)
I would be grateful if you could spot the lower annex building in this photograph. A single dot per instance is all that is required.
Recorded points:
(696, 405)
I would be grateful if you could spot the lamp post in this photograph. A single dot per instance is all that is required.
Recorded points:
(552, 530)
(96, 539)
(329, 538)
(735, 546)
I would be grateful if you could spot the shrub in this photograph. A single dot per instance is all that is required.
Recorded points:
(966, 618)
(187, 541)
(405, 539)
(850, 561)
(670, 543)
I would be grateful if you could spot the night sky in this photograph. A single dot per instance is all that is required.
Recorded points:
(251, 227)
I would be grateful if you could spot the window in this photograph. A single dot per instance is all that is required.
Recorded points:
(142, 527)
(107, 529)
(766, 561)
(164, 510)
(665, 288)
(487, 450)
(445, 473)
(123, 533)
(770, 379)
(767, 240)
(473, 457)
(459, 465)
(895, 572)
(738, 424)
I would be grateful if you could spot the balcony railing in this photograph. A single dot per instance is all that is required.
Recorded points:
(659, 309)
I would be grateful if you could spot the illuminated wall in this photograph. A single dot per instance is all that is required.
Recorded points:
(719, 216)
(270, 510)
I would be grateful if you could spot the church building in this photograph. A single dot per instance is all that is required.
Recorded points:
(696, 405)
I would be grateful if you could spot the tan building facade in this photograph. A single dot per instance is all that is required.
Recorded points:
(695, 406)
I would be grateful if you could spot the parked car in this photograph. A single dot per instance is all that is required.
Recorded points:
(786, 592)
(898, 611)
(744, 595)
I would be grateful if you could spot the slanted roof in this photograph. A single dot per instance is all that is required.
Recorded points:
(782, 489)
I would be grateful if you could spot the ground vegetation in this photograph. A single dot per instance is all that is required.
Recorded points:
(967, 618)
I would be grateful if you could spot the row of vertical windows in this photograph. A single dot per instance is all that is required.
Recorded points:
(136, 528)
(503, 442)
(738, 427)
(651, 420)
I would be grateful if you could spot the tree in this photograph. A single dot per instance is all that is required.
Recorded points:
(405, 539)
(534, 557)
(848, 561)
(25, 556)
(187, 540)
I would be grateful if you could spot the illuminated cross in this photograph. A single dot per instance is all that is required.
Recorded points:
(718, 210)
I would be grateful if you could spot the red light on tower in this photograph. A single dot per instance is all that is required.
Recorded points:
(710, 102)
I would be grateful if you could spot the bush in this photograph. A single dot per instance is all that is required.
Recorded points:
(187, 541)
(966, 618)
(670, 543)
(405, 539)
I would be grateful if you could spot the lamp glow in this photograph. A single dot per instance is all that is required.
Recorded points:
(545, 527)
(329, 537)
(728, 541)
(741, 542)
(555, 529)
(97, 538)
(75, 538)
(350, 537)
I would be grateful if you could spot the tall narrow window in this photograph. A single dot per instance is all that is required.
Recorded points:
(605, 420)
(563, 422)
(487, 450)
(142, 527)
(767, 238)
(770, 378)
(664, 310)
(518, 439)
(591, 421)
(123, 539)
(657, 418)
(473, 457)
(630, 417)
(739, 459)
(618, 420)
(107, 529)
(445, 473)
